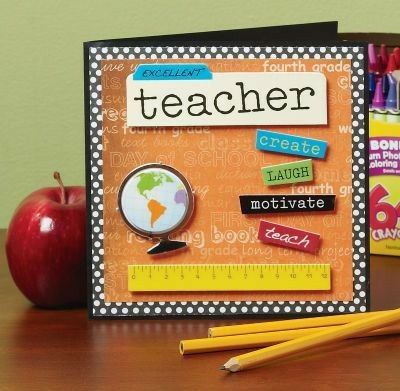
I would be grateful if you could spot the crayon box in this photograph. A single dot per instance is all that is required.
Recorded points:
(384, 171)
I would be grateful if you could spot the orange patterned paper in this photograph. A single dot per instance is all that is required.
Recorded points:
(222, 163)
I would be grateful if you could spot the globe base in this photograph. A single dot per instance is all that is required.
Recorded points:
(166, 245)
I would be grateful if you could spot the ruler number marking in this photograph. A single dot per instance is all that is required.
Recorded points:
(235, 277)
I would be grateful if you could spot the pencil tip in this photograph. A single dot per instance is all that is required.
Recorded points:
(223, 368)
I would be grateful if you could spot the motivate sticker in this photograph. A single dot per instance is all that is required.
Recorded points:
(294, 172)
(281, 235)
(289, 144)
(282, 203)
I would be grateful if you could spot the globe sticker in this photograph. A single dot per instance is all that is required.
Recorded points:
(156, 200)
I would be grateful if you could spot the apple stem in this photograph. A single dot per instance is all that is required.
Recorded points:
(57, 177)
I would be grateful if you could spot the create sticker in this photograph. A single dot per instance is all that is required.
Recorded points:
(282, 203)
(294, 172)
(281, 235)
(289, 144)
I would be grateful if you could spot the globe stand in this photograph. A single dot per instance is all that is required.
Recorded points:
(156, 174)
(166, 245)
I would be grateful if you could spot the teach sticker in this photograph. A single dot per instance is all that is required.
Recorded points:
(281, 235)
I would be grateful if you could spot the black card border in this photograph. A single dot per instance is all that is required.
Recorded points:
(150, 42)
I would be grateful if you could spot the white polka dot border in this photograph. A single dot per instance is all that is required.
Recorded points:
(97, 305)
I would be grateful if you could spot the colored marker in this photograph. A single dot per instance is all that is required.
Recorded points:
(391, 66)
(384, 55)
(384, 94)
(385, 85)
(378, 103)
(392, 104)
(391, 100)
(379, 66)
(372, 86)
(372, 58)
(396, 52)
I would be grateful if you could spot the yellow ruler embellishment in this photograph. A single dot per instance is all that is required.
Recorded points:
(229, 277)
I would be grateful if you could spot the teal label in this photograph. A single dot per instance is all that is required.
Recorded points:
(289, 144)
(172, 72)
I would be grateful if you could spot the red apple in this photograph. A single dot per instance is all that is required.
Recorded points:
(46, 248)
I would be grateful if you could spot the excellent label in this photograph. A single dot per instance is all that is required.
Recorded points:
(277, 203)
(172, 72)
(281, 235)
(279, 174)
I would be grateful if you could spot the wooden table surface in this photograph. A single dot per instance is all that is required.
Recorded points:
(63, 350)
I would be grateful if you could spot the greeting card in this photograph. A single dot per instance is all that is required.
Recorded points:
(226, 178)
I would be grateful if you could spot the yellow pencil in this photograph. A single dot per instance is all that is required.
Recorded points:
(290, 324)
(263, 356)
(258, 340)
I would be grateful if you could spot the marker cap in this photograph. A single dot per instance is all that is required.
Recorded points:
(371, 81)
(391, 100)
(380, 69)
(391, 66)
(384, 54)
(396, 52)
(372, 58)
(378, 102)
